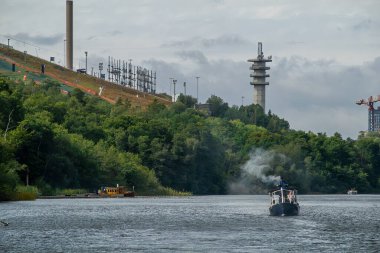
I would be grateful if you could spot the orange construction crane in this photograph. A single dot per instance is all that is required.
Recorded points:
(371, 110)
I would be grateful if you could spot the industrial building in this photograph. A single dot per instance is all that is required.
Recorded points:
(376, 120)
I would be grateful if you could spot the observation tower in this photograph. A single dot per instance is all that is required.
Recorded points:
(259, 74)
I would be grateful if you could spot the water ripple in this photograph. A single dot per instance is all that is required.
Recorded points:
(327, 223)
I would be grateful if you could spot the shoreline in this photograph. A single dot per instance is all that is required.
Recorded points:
(81, 196)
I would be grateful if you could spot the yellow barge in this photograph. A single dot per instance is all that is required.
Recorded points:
(115, 192)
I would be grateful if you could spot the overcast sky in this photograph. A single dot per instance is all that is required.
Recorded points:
(326, 54)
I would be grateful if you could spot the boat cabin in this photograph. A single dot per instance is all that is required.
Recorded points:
(283, 202)
(118, 191)
(283, 196)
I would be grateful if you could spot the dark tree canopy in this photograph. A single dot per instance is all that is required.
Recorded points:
(80, 141)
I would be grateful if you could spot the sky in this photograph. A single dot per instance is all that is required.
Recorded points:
(326, 54)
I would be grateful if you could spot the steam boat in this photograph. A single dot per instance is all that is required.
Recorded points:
(283, 201)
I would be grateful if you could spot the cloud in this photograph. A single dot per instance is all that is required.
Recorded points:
(93, 62)
(362, 25)
(374, 66)
(321, 82)
(221, 41)
(320, 95)
(225, 40)
(91, 37)
(271, 12)
(293, 42)
(115, 32)
(165, 71)
(39, 39)
(225, 78)
(193, 55)
(315, 95)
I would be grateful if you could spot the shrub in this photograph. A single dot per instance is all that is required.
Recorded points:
(71, 192)
(25, 193)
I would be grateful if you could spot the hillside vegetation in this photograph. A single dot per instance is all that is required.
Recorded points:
(80, 141)
(31, 66)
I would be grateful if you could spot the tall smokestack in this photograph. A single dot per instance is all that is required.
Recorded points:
(69, 34)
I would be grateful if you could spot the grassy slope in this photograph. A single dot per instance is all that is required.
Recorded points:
(87, 83)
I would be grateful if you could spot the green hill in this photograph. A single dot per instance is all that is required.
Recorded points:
(31, 67)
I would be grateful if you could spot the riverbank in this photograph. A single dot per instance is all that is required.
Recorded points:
(81, 196)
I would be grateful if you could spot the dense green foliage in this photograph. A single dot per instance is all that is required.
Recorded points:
(80, 141)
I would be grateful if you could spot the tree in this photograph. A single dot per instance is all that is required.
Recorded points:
(78, 94)
(82, 141)
(8, 171)
(187, 100)
(217, 106)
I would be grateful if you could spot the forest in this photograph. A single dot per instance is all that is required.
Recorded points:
(51, 141)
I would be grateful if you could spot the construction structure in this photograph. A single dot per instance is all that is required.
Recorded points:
(119, 72)
(373, 114)
(259, 74)
(69, 34)
(125, 74)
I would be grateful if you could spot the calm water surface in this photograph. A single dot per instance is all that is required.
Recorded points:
(327, 223)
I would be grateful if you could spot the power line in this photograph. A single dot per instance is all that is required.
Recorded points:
(32, 45)
(22, 41)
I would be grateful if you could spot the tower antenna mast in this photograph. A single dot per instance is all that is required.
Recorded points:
(259, 74)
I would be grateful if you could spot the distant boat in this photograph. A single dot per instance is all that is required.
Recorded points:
(283, 201)
(115, 192)
(352, 192)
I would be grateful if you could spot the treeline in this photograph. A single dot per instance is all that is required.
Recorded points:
(80, 141)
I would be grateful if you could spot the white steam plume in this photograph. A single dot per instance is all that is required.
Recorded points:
(255, 173)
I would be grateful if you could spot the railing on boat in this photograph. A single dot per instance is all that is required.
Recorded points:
(118, 191)
(283, 196)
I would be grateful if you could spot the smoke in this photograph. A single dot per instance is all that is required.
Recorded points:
(257, 174)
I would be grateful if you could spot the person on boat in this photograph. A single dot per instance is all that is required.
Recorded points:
(290, 196)
(283, 183)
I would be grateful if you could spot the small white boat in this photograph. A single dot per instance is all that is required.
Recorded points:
(352, 192)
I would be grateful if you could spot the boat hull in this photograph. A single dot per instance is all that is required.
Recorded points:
(284, 209)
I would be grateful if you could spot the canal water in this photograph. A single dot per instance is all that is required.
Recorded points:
(327, 223)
